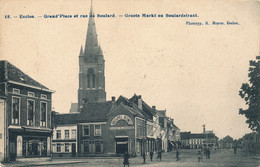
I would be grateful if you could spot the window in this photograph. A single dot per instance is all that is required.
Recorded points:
(31, 94)
(16, 91)
(73, 133)
(15, 110)
(86, 130)
(67, 147)
(98, 146)
(67, 134)
(30, 111)
(86, 146)
(43, 96)
(43, 113)
(58, 148)
(88, 80)
(91, 78)
(97, 130)
(93, 81)
(58, 134)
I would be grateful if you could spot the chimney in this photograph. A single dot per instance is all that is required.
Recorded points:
(204, 128)
(140, 102)
(154, 107)
(113, 98)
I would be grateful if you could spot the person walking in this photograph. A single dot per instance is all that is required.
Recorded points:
(126, 159)
(177, 155)
(159, 155)
(208, 153)
(151, 155)
(199, 156)
(235, 150)
(144, 157)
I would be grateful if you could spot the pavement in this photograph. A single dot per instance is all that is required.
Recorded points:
(219, 158)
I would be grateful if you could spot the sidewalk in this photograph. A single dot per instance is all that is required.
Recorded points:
(42, 163)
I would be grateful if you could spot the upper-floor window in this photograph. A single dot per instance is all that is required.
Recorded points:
(43, 96)
(31, 94)
(30, 112)
(43, 113)
(86, 130)
(73, 133)
(58, 134)
(16, 91)
(97, 130)
(67, 134)
(15, 110)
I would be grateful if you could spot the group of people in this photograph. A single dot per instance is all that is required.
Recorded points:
(159, 156)
(206, 153)
(126, 157)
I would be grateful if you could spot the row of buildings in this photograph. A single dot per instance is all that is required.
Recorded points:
(207, 139)
(29, 128)
(113, 127)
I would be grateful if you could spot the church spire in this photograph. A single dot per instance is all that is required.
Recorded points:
(91, 46)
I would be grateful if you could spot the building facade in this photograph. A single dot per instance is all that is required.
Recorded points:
(64, 139)
(27, 112)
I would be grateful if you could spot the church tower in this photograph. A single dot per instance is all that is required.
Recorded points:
(91, 67)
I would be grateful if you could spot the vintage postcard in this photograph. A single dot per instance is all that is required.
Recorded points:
(133, 82)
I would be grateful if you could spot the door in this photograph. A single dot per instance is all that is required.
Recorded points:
(73, 149)
(121, 147)
(12, 150)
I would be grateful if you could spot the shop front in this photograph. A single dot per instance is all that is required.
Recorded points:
(25, 143)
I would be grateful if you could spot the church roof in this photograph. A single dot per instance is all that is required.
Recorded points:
(91, 45)
(95, 111)
(9, 72)
(65, 119)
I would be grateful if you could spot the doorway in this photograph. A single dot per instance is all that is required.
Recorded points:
(73, 149)
(121, 145)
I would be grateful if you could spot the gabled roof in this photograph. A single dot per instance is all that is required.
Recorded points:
(95, 112)
(9, 72)
(146, 108)
(175, 126)
(134, 111)
(161, 113)
(65, 119)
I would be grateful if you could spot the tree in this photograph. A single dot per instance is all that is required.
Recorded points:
(250, 92)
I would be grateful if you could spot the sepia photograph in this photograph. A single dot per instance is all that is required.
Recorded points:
(130, 83)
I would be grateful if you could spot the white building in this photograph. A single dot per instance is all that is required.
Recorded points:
(64, 139)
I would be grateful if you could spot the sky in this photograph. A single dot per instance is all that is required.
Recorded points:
(194, 72)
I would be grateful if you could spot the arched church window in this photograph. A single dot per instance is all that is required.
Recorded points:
(93, 81)
(88, 80)
(91, 78)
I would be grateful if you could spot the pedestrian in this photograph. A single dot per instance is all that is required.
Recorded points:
(235, 150)
(151, 155)
(208, 153)
(159, 155)
(177, 155)
(144, 157)
(126, 159)
(199, 156)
